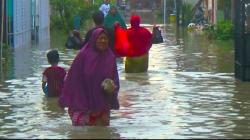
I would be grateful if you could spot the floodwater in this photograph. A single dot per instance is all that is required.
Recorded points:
(189, 91)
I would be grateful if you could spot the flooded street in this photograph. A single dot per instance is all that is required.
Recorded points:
(189, 91)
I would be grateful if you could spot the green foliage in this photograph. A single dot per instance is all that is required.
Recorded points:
(222, 30)
(224, 4)
(159, 15)
(187, 13)
(56, 22)
(220, 15)
(63, 12)
(5, 46)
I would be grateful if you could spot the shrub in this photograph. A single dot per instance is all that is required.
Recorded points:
(187, 13)
(224, 30)
(63, 12)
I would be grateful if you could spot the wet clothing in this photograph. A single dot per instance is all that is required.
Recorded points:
(109, 22)
(54, 77)
(77, 22)
(134, 42)
(110, 19)
(136, 64)
(80, 118)
(82, 90)
(139, 37)
(157, 37)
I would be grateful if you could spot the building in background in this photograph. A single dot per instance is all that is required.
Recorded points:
(41, 20)
(25, 20)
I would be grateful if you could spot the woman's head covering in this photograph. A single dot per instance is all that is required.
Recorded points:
(82, 86)
(134, 42)
(94, 36)
(111, 19)
(139, 37)
(113, 7)
(135, 21)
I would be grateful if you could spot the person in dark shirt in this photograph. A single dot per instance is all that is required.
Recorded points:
(98, 18)
(75, 41)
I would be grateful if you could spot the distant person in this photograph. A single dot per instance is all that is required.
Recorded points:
(77, 22)
(105, 7)
(140, 40)
(91, 86)
(134, 44)
(109, 21)
(53, 76)
(157, 35)
(75, 40)
(98, 18)
(113, 17)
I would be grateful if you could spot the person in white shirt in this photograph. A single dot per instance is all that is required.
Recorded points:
(105, 7)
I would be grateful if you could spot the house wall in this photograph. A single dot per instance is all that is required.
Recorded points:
(43, 19)
(21, 23)
(26, 18)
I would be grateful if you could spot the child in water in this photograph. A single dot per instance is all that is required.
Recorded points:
(53, 76)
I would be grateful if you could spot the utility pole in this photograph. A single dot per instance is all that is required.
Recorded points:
(178, 12)
(2, 33)
(164, 8)
(7, 23)
(1, 41)
(175, 8)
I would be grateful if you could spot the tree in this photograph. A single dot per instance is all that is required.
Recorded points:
(225, 5)
(64, 11)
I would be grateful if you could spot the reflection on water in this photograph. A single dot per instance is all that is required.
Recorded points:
(189, 91)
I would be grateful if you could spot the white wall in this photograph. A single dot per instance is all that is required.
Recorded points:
(43, 19)
(21, 22)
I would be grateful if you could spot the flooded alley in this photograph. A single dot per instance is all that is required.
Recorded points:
(189, 91)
